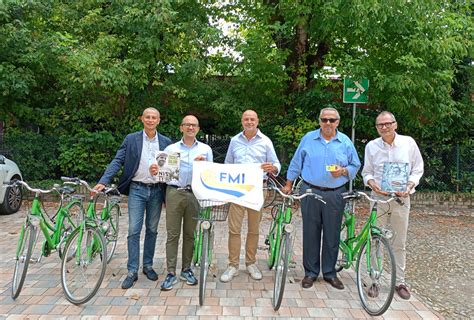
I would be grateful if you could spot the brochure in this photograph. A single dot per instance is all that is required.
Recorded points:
(168, 166)
(395, 176)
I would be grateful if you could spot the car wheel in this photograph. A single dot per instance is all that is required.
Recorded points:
(12, 201)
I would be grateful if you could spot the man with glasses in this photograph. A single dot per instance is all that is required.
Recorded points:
(393, 148)
(144, 193)
(181, 204)
(326, 160)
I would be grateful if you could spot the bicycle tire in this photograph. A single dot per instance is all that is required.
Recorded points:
(204, 268)
(376, 286)
(281, 271)
(272, 238)
(82, 276)
(111, 235)
(269, 193)
(23, 256)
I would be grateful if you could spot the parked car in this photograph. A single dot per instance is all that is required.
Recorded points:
(10, 197)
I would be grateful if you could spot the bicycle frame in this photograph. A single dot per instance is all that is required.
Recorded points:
(352, 245)
(53, 233)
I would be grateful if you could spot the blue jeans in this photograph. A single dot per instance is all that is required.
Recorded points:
(140, 199)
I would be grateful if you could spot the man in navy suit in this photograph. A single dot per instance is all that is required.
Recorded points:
(145, 194)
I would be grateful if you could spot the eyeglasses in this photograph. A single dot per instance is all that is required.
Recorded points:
(386, 124)
(190, 125)
(326, 120)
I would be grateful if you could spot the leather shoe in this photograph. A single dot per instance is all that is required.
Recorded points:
(150, 273)
(403, 291)
(335, 282)
(307, 281)
(131, 278)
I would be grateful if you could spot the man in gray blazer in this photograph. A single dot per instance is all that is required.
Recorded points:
(135, 155)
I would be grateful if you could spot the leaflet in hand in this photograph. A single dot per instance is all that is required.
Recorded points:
(395, 176)
(168, 166)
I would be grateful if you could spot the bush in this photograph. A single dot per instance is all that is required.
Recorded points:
(34, 153)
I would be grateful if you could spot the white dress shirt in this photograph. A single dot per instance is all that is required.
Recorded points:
(403, 149)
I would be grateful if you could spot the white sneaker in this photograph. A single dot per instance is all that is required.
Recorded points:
(254, 272)
(229, 274)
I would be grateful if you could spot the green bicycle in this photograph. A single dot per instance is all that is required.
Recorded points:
(280, 241)
(106, 211)
(371, 252)
(56, 230)
(210, 211)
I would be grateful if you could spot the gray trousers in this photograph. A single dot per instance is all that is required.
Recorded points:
(321, 220)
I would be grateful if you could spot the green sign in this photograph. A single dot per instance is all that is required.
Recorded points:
(355, 91)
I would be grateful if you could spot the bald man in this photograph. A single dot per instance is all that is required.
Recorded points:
(135, 155)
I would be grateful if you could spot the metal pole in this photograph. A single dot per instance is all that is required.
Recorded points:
(353, 134)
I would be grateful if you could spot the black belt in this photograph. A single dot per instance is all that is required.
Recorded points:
(322, 188)
(149, 185)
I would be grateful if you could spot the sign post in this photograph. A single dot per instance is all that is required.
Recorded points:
(355, 91)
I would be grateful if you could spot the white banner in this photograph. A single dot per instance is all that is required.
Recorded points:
(237, 183)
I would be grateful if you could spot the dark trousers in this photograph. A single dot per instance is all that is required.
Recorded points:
(321, 219)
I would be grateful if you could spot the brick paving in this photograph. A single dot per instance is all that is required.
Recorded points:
(243, 298)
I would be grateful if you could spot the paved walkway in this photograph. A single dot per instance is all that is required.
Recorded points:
(243, 298)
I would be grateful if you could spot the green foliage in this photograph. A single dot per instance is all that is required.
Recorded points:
(33, 153)
(86, 154)
(83, 71)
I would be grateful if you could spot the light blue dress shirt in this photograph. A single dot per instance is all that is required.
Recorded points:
(186, 158)
(314, 153)
(258, 149)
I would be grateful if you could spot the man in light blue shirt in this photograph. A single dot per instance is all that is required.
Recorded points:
(326, 160)
(181, 204)
(249, 146)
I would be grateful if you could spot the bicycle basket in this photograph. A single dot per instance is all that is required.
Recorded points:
(213, 210)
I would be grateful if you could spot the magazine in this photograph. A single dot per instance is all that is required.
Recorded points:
(168, 166)
(395, 176)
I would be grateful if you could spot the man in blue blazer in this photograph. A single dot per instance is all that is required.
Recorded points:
(145, 194)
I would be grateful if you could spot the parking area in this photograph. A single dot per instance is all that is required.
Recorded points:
(243, 298)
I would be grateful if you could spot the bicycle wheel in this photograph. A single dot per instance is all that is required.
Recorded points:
(297, 187)
(281, 270)
(204, 268)
(376, 275)
(269, 194)
(111, 235)
(23, 256)
(82, 275)
(270, 241)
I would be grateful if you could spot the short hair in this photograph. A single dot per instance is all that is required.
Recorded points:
(151, 109)
(384, 113)
(329, 109)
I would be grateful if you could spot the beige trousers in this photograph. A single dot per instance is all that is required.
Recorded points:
(395, 217)
(235, 219)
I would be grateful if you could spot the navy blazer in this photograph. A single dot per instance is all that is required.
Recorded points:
(128, 156)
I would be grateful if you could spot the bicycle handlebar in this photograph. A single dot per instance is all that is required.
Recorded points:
(357, 194)
(15, 183)
(77, 181)
(295, 197)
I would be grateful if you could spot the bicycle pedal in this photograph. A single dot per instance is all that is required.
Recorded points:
(292, 264)
(262, 248)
